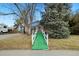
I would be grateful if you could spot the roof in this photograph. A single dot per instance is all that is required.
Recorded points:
(3, 24)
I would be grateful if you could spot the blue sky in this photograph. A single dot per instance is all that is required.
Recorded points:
(75, 7)
(9, 19)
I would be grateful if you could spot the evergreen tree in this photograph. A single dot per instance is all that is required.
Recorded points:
(55, 20)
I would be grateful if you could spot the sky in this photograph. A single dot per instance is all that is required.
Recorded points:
(75, 7)
(10, 19)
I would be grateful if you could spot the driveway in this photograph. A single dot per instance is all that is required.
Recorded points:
(5, 36)
(39, 53)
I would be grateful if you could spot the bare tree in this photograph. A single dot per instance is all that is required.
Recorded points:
(25, 12)
(27, 15)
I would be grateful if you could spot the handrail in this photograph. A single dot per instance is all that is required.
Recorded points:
(45, 36)
(34, 36)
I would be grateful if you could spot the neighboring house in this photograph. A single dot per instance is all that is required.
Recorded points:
(3, 28)
(19, 27)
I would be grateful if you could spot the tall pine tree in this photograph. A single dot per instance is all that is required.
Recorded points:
(55, 20)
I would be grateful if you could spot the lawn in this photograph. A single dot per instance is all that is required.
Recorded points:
(17, 42)
(71, 43)
(24, 42)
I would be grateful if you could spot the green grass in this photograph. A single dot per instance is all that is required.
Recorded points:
(24, 42)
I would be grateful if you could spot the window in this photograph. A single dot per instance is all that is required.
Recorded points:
(5, 26)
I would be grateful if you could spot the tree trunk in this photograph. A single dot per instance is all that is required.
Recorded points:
(28, 30)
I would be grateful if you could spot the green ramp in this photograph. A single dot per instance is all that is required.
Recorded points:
(39, 42)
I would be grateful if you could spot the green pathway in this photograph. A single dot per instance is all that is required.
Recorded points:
(39, 43)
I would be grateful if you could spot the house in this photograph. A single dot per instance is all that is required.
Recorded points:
(19, 27)
(3, 28)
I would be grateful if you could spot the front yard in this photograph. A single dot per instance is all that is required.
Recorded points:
(24, 42)
(71, 43)
(18, 42)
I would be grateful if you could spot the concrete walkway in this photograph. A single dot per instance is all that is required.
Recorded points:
(39, 53)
